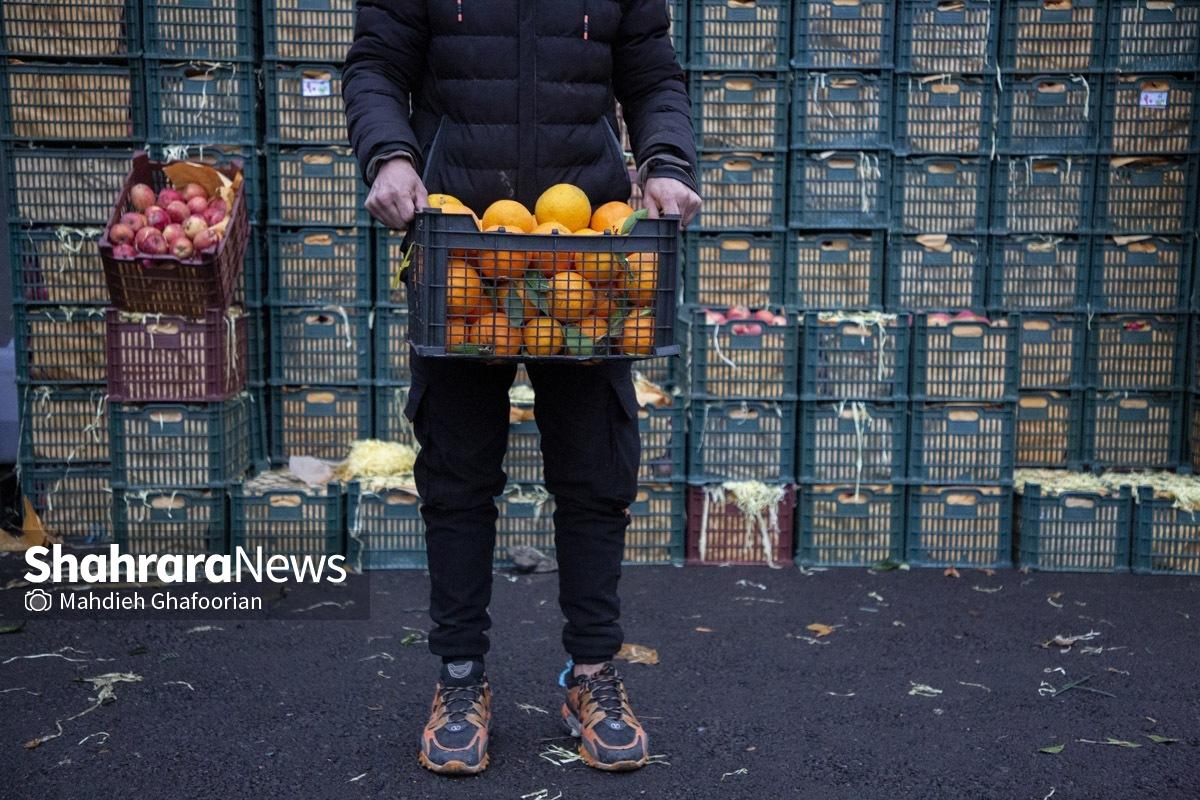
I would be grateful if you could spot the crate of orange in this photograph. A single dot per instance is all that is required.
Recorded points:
(566, 282)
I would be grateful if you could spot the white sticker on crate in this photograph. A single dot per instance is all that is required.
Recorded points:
(320, 87)
(1155, 99)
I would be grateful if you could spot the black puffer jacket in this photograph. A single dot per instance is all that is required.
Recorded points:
(509, 97)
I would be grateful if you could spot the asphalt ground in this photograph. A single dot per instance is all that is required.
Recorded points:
(928, 686)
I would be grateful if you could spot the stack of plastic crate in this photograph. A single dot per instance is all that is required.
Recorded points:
(1144, 237)
(71, 107)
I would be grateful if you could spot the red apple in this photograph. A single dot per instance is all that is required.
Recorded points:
(194, 190)
(173, 232)
(154, 244)
(738, 312)
(142, 197)
(764, 315)
(141, 234)
(157, 217)
(168, 195)
(713, 317)
(178, 211)
(197, 205)
(747, 329)
(120, 233)
(206, 240)
(125, 250)
(219, 202)
(779, 321)
(938, 320)
(193, 225)
(134, 220)
(182, 248)
(214, 215)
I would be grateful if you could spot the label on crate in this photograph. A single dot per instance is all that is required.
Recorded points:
(1154, 99)
(320, 87)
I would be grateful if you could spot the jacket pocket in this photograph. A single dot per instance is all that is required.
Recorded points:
(434, 155)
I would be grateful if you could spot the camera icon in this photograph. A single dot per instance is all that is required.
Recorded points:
(38, 600)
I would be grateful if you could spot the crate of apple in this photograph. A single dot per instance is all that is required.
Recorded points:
(745, 322)
(176, 238)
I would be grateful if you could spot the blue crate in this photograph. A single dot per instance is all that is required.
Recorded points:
(72, 103)
(742, 440)
(1049, 114)
(723, 269)
(657, 526)
(42, 185)
(1133, 431)
(384, 529)
(1164, 37)
(840, 109)
(170, 521)
(1193, 365)
(202, 101)
(286, 522)
(1043, 194)
(742, 191)
(663, 435)
(849, 356)
(251, 290)
(299, 31)
(760, 361)
(60, 346)
(1148, 274)
(959, 526)
(389, 256)
(1058, 37)
(1137, 353)
(1166, 539)
(92, 29)
(1052, 351)
(314, 186)
(390, 423)
(207, 30)
(839, 189)
(57, 266)
(319, 266)
(391, 344)
(965, 359)
(1038, 273)
(1148, 194)
(962, 443)
(320, 345)
(72, 500)
(317, 421)
(67, 424)
(936, 272)
(1193, 442)
(1049, 430)
(827, 271)
(257, 344)
(828, 34)
(304, 104)
(182, 444)
(739, 111)
(854, 442)
(1151, 114)
(945, 114)
(936, 37)
(728, 36)
(1083, 531)
(849, 525)
(940, 194)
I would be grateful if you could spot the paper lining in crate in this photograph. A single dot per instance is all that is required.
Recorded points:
(835, 270)
(739, 36)
(961, 443)
(967, 526)
(1132, 431)
(202, 101)
(1052, 351)
(1167, 526)
(317, 421)
(1049, 430)
(182, 445)
(936, 36)
(60, 345)
(858, 355)
(303, 30)
(742, 440)
(328, 344)
(741, 191)
(940, 195)
(755, 357)
(1043, 194)
(211, 30)
(315, 186)
(1141, 273)
(169, 521)
(72, 103)
(840, 109)
(835, 33)
(64, 423)
(851, 440)
(1151, 114)
(94, 29)
(739, 111)
(1043, 114)
(73, 500)
(279, 515)
(724, 269)
(1038, 273)
(1155, 37)
(839, 189)
(319, 266)
(967, 357)
(304, 104)
(1072, 522)
(850, 525)
(935, 271)
(745, 522)
(945, 113)
(1052, 35)
(57, 266)
(1145, 194)
(1136, 352)
(43, 185)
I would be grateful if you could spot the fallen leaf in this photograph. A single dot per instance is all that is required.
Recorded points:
(16, 628)
(33, 533)
(951, 572)
(1154, 737)
(820, 629)
(637, 654)
(1053, 749)
(702, 629)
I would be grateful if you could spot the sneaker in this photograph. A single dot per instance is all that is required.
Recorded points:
(455, 739)
(597, 711)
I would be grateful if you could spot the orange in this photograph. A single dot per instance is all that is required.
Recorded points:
(464, 290)
(594, 327)
(641, 278)
(605, 304)
(564, 204)
(495, 331)
(439, 200)
(459, 208)
(609, 216)
(458, 331)
(501, 263)
(543, 337)
(571, 297)
(637, 336)
(550, 261)
(510, 214)
(596, 267)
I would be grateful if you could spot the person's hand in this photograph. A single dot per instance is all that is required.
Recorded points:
(396, 194)
(669, 196)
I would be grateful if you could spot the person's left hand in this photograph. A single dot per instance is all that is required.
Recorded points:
(663, 196)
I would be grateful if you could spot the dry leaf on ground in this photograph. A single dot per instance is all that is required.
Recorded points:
(637, 654)
(820, 629)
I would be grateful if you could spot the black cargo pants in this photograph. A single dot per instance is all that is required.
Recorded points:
(587, 418)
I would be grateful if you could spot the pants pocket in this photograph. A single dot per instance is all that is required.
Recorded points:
(413, 404)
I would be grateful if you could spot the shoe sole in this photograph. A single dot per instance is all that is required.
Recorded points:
(576, 730)
(454, 767)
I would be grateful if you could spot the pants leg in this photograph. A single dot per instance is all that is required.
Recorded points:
(587, 417)
(459, 412)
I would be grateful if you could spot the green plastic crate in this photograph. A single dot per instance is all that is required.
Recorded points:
(1132, 431)
(727, 36)
(1150, 194)
(391, 344)
(182, 445)
(389, 256)
(1159, 37)
(170, 521)
(834, 34)
(384, 529)
(390, 422)
(1043, 194)
(959, 526)
(1049, 430)
(1151, 114)
(849, 525)
(314, 186)
(1052, 351)
(202, 101)
(936, 37)
(317, 421)
(737, 111)
(741, 191)
(1137, 353)
(657, 525)
(60, 346)
(1166, 539)
(72, 103)
(57, 266)
(965, 359)
(853, 441)
(308, 30)
(288, 522)
(841, 109)
(319, 266)
(1046, 114)
(1058, 37)
(954, 443)
(1075, 531)
(849, 357)
(304, 104)
(92, 29)
(742, 440)
(1038, 273)
(42, 185)
(940, 194)
(936, 272)
(66, 424)
(827, 271)
(839, 189)
(723, 269)
(73, 500)
(759, 360)
(207, 30)
(323, 345)
(945, 114)
(1148, 274)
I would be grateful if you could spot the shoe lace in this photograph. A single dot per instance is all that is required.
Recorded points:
(459, 701)
(607, 692)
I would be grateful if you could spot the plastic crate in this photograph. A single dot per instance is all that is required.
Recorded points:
(961, 443)
(315, 186)
(389, 258)
(259, 454)
(1132, 431)
(60, 345)
(57, 266)
(391, 344)
(841, 110)
(169, 521)
(1049, 430)
(742, 440)
(677, 17)
(73, 500)
(945, 114)
(1193, 365)
(321, 345)
(202, 101)
(839, 189)
(1145, 195)
(853, 442)
(1137, 353)
(178, 445)
(390, 423)
(1159, 37)
(662, 432)
(161, 358)
(1149, 273)
(384, 529)
(257, 344)
(304, 104)
(526, 517)
(718, 532)
(1038, 273)
(965, 526)
(1052, 351)
(723, 269)
(87, 29)
(739, 111)
(319, 266)
(252, 289)
(657, 526)
(733, 35)
(965, 359)
(1052, 35)
(936, 272)
(208, 30)
(827, 271)
(1193, 412)
(760, 361)
(523, 456)
(1075, 531)
(317, 421)
(72, 103)
(833, 34)
(850, 525)
(288, 522)
(63, 423)
(42, 185)
(935, 194)
(215, 155)
(308, 30)
(1151, 114)
(1049, 113)
(1043, 194)
(741, 191)
(1166, 539)
(935, 36)
(851, 356)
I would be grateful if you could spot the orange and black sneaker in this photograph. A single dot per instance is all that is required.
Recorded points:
(455, 739)
(597, 711)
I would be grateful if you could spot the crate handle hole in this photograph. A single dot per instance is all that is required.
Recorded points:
(166, 417)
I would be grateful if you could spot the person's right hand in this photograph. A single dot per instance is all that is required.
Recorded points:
(396, 194)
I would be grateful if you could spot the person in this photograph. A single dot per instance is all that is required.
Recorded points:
(487, 101)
